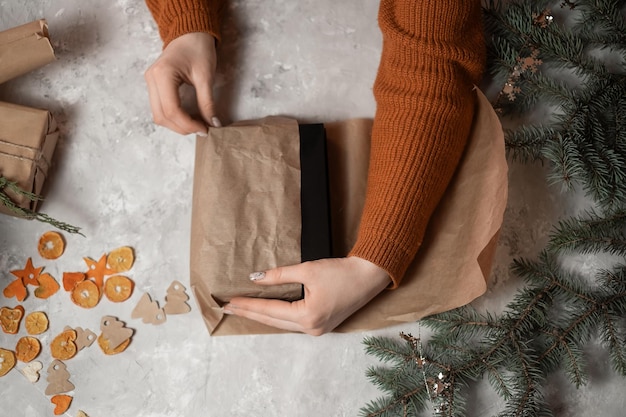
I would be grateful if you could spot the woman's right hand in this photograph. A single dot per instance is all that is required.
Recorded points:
(188, 59)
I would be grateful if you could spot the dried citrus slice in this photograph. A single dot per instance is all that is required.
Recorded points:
(36, 322)
(10, 318)
(121, 259)
(48, 286)
(16, 289)
(63, 346)
(7, 361)
(118, 288)
(61, 402)
(104, 345)
(97, 270)
(27, 348)
(86, 294)
(29, 274)
(70, 279)
(51, 245)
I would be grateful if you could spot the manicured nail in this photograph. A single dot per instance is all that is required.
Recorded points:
(202, 134)
(227, 311)
(216, 122)
(256, 276)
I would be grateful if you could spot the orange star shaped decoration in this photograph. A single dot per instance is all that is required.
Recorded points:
(29, 275)
(97, 270)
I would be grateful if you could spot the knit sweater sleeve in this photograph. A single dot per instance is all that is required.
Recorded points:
(178, 17)
(433, 53)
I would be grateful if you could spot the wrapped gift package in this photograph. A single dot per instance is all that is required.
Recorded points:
(265, 203)
(28, 137)
(453, 264)
(23, 49)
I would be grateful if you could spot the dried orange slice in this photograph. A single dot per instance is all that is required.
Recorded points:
(48, 286)
(118, 288)
(61, 402)
(36, 322)
(105, 346)
(121, 259)
(86, 294)
(70, 279)
(7, 361)
(16, 289)
(51, 245)
(27, 348)
(10, 318)
(63, 346)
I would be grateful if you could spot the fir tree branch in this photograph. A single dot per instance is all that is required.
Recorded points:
(26, 213)
(616, 345)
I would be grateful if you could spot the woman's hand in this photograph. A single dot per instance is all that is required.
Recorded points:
(333, 290)
(188, 59)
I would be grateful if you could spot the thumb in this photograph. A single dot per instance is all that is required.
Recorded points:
(276, 276)
(206, 104)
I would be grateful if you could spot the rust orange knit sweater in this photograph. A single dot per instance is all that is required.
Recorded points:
(433, 54)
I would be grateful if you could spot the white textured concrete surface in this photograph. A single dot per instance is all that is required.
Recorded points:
(128, 182)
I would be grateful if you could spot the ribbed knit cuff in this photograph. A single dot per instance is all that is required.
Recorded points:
(380, 251)
(196, 20)
(175, 18)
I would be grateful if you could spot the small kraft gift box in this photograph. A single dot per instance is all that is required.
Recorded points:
(28, 136)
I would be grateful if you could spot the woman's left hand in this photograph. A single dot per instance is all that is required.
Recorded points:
(333, 290)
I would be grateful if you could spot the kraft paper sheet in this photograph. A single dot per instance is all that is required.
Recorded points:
(246, 209)
(453, 265)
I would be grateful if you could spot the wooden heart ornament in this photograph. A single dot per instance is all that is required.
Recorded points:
(31, 371)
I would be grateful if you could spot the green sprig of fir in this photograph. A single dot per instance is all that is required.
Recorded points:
(26, 213)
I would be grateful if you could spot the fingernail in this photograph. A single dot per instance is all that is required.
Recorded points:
(256, 276)
(216, 122)
(202, 134)
(226, 311)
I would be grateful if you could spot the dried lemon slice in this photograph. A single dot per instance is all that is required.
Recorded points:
(51, 245)
(27, 348)
(7, 361)
(63, 346)
(118, 288)
(36, 322)
(86, 294)
(121, 259)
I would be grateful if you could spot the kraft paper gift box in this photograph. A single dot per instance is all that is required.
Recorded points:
(28, 137)
(453, 264)
(23, 49)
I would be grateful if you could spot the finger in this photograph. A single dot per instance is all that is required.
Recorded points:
(206, 103)
(265, 319)
(155, 106)
(173, 112)
(163, 87)
(292, 274)
(276, 309)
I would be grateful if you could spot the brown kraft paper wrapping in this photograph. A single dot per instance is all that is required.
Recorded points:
(246, 210)
(23, 49)
(454, 262)
(28, 137)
